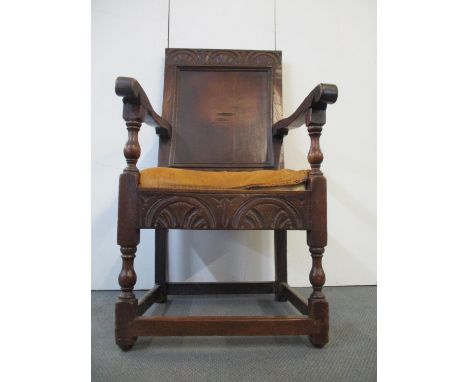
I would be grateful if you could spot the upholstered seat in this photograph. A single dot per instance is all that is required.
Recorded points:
(173, 178)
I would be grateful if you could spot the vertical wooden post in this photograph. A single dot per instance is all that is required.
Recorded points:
(132, 148)
(315, 119)
(317, 236)
(128, 237)
(281, 263)
(160, 260)
(126, 306)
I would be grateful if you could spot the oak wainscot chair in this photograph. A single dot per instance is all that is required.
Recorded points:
(221, 167)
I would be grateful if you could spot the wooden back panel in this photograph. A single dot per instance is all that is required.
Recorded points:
(221, 105)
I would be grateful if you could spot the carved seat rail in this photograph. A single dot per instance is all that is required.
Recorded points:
(225, 210)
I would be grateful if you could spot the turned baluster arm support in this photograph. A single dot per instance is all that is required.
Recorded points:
(137, 110)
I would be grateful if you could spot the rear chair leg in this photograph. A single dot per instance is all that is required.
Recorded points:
(160, 260)
(281, 264)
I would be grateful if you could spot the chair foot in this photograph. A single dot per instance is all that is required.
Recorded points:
(318, 310)
(126, 344)
(125, 312)
(318, 345)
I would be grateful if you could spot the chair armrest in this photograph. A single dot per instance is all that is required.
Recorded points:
(316, 101)
(138, 107)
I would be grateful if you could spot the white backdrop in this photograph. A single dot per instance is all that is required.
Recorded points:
(322, 41)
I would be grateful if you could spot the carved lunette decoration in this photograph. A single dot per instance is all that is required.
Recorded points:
(222, 57)
(224, 210)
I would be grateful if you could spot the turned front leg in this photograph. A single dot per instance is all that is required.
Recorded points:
(318, 305)
(128, 237)
(126, 306)
(317, 240)
(317, 275)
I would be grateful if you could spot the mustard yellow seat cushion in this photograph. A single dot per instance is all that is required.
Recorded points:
(174, 178)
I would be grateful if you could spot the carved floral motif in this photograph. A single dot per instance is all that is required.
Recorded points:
(225, 211)
(180, 211)
(266, 213)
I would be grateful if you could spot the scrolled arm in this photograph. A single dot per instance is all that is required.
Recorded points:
(137, 107)
(313, 106)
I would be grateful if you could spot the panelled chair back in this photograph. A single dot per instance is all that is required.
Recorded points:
(221, 167)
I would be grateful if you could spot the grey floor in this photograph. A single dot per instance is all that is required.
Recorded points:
(350, 355)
